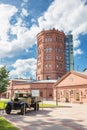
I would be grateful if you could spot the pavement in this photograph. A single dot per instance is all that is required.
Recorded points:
(70, 117)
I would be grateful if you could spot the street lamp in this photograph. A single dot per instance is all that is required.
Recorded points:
(56, 97)
(46, 92)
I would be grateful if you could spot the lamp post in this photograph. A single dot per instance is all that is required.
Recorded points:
(56, 97)
(46, 92)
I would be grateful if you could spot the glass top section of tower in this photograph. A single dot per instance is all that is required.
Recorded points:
(69, 53)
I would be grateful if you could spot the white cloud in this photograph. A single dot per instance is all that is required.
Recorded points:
(24, 12)
(25, 38)
(78, 51)
(27, 50)
(33, 20)
(65, 15)
(1, 66)
(24, 2)
(22, 67)
(76, 43)
(68, 16)
(7, 11)
(85, 71)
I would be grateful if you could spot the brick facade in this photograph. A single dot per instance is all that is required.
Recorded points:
(72, 87)
(51, 55)
(45, 88)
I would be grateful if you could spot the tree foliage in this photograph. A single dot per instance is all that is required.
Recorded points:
(4, 74)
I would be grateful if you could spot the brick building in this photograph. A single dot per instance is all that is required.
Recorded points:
(72, 87)
(51, 55)
(45, 87)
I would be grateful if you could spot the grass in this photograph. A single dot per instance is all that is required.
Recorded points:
(3, 104)
(5, 125)
(46, 105)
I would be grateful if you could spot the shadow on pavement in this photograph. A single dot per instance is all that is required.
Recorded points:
(46, 124)
(44, 119)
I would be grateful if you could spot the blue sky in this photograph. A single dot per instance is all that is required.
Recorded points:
(22, 20)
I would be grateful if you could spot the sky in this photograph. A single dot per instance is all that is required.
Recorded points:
(22, 20)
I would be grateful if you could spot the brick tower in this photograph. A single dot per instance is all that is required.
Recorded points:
(50, 54)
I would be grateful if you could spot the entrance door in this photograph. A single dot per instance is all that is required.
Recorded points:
(67, 97)
(77, 97)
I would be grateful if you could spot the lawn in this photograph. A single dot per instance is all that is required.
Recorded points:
(3, 104)
(46, 105)
(5, 125)
(50, 105)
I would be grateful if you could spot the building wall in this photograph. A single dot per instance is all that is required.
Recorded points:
(73, 80)
(72, 88)
(77, 94)
(51, 55)
(46, 89)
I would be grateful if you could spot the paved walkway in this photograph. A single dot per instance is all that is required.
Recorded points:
(72, 117)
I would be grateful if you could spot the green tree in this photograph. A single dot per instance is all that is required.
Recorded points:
(4, 74)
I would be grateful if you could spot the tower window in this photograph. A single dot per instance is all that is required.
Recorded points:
(48, 65)
(57, 57)
(58, 39)
(48, 50)
(48, 39)
(56, 50)
(48, 57)
(57, 66)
